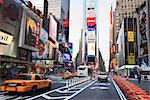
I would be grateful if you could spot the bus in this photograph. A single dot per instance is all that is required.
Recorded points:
(82, 71)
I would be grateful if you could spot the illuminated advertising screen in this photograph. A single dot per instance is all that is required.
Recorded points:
(66, 57)
(91, 48)
(91, 21)
(44, 35)
(30, 30)
(43, 52)
(70, 47)
(52, 28)
(32, 35)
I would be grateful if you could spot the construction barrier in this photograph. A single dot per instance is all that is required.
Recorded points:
(132, 91)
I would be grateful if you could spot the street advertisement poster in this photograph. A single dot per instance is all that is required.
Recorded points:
(143, 32)
(144, 62)
(52, 28)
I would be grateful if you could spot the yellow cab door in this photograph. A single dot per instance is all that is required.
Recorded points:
(39, 81)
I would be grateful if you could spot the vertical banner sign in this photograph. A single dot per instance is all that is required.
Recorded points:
(130, 36)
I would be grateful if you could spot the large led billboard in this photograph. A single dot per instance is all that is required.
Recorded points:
(30, 30)
(52, 28)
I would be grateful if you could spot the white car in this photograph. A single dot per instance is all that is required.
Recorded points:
(103, 76)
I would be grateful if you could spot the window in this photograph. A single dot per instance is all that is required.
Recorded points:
(37, 77)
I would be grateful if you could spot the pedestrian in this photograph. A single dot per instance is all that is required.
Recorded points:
(139, 78)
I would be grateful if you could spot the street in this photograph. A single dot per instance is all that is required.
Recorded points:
(88, 90)
(98, 91)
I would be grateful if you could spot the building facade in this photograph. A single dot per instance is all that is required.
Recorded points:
(124, 9)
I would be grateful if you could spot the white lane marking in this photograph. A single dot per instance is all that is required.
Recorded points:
(103, 88)
(53, 98)
(105, 84)
(6, 97)
(80, 90)
(121, 95)
(46, 93)
(22, 97)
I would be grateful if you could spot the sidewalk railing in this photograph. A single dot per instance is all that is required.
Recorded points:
(132, 91)
(75, 81)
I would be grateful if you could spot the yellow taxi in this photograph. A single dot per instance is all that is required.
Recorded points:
(66, 75)
(26, 83)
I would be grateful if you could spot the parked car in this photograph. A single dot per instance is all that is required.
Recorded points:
(103, 76)
(26, 83)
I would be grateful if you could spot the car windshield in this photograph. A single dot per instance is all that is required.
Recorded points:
(23, 77)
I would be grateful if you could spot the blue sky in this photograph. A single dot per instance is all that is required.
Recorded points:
(103, 22)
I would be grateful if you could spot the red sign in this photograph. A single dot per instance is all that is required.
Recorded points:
(1, 1)
(91, 21)
(66, 22)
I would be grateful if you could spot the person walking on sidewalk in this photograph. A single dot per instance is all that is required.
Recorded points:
(139, 78)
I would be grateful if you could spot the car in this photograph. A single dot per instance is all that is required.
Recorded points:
(66, 75)
(103, 76)
(26, 83)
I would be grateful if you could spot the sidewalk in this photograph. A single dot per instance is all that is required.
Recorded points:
(145, 84)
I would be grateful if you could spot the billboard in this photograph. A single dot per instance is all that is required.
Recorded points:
(90, 12)
(5, 38)
(91, 36)
(66, 57)
(30, 30)
(142, 32)
(52, 28)
(91, 28)
(91, 21)
(91, 48)
(70, 47)
(44, 35)
(130, 36)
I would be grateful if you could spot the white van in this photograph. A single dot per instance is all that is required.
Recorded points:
(82, 71)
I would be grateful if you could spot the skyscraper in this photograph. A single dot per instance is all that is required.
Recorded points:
(124, 9)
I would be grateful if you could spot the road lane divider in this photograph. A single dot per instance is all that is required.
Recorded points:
(121, 95)
(80, 90)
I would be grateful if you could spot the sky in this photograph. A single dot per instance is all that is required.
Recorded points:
(103, 22)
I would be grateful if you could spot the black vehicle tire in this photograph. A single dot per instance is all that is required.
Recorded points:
(34, 88)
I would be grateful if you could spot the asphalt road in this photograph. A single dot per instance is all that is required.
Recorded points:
(98, 91)
(145, 84)
(22, 96)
